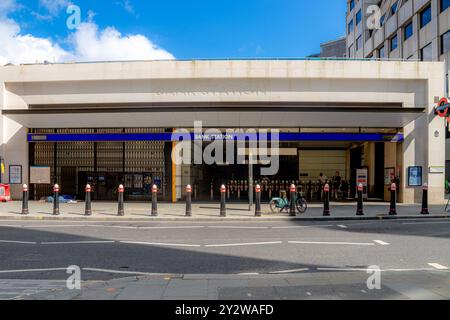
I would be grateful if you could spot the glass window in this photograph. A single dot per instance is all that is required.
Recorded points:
(352, 5)
(394, 8)
(394, 43)
(445, 42)
(426, 53)
(359, 43)
(408, 30)
(358, 17)
(382, 53)
(425, 16)
(350, 26)
(382, 20)
(444, 5)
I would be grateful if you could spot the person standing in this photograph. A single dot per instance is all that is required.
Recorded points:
(336, 181)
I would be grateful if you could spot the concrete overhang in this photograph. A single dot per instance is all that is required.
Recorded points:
(220, 115)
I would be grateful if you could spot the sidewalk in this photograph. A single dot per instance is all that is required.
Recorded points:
(301, 286)
(107, 211)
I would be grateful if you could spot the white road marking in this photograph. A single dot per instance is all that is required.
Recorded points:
(438, 266)
(248, 274)
(381, 242)
(123, 272)
(290, 271)
(180, 227)
(161, 244)
(18, 242)
(301, 227)
(332, 243)
(235, 227)
(382, 270)
(55, 226)
(32, 270)
(242, 244)
(342, 226)
(76, 242)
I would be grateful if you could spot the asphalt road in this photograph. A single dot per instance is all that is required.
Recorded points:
(404, 249)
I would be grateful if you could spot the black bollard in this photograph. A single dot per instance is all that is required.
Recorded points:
(425, 200)
(88, 207)
(223, 209)
(154, 201)
(293, 193)
(392, 208)
(56, 200)
(326, 200)
(25, 200)
(258, 212)
(360, 206)
(188, 201)
(121, 209)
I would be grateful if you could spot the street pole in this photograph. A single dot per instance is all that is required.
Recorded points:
(188, 201)
(121, 209)
(154, 200)
(25, 200)
(88, 207)
(250, 181)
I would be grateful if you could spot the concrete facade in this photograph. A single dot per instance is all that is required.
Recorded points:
(71, 95)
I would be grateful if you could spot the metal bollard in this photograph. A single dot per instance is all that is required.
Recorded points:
(121, 209)
(360, 206)
(258, 211)
(56, 200)
(326, 200)
(393, 209)
(425, 200)
(223, 209)
(188, 201)
(293, 192)
(25, 200)
(154, 200)
(88, 207)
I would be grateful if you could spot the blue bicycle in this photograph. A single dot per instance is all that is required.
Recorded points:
(278, 205)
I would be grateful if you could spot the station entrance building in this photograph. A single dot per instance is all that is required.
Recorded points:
(116, 122)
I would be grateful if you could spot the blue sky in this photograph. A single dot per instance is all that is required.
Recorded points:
(185, 29)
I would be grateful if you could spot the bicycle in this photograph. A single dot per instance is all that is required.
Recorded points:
(278, 205)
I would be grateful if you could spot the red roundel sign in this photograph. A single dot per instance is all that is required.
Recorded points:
(443, 113)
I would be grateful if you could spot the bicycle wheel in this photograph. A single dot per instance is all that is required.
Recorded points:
(274, 206)
(301, 205)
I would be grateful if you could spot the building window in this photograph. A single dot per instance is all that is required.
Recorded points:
(382, 53)
(358, 17)
(359, 43)
(408, 30)
(444, 5)
(425, 16)
(445, 42)
(350, 52)
(394, 43)
(352, 5)
(394, 8)
(383, 17)
(350, 26)
(426, 53)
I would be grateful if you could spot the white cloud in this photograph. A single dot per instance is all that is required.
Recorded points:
(8, 5)
(87, 43)
(91, 44)
(126, 4)
(54, 6)
(25, 48)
